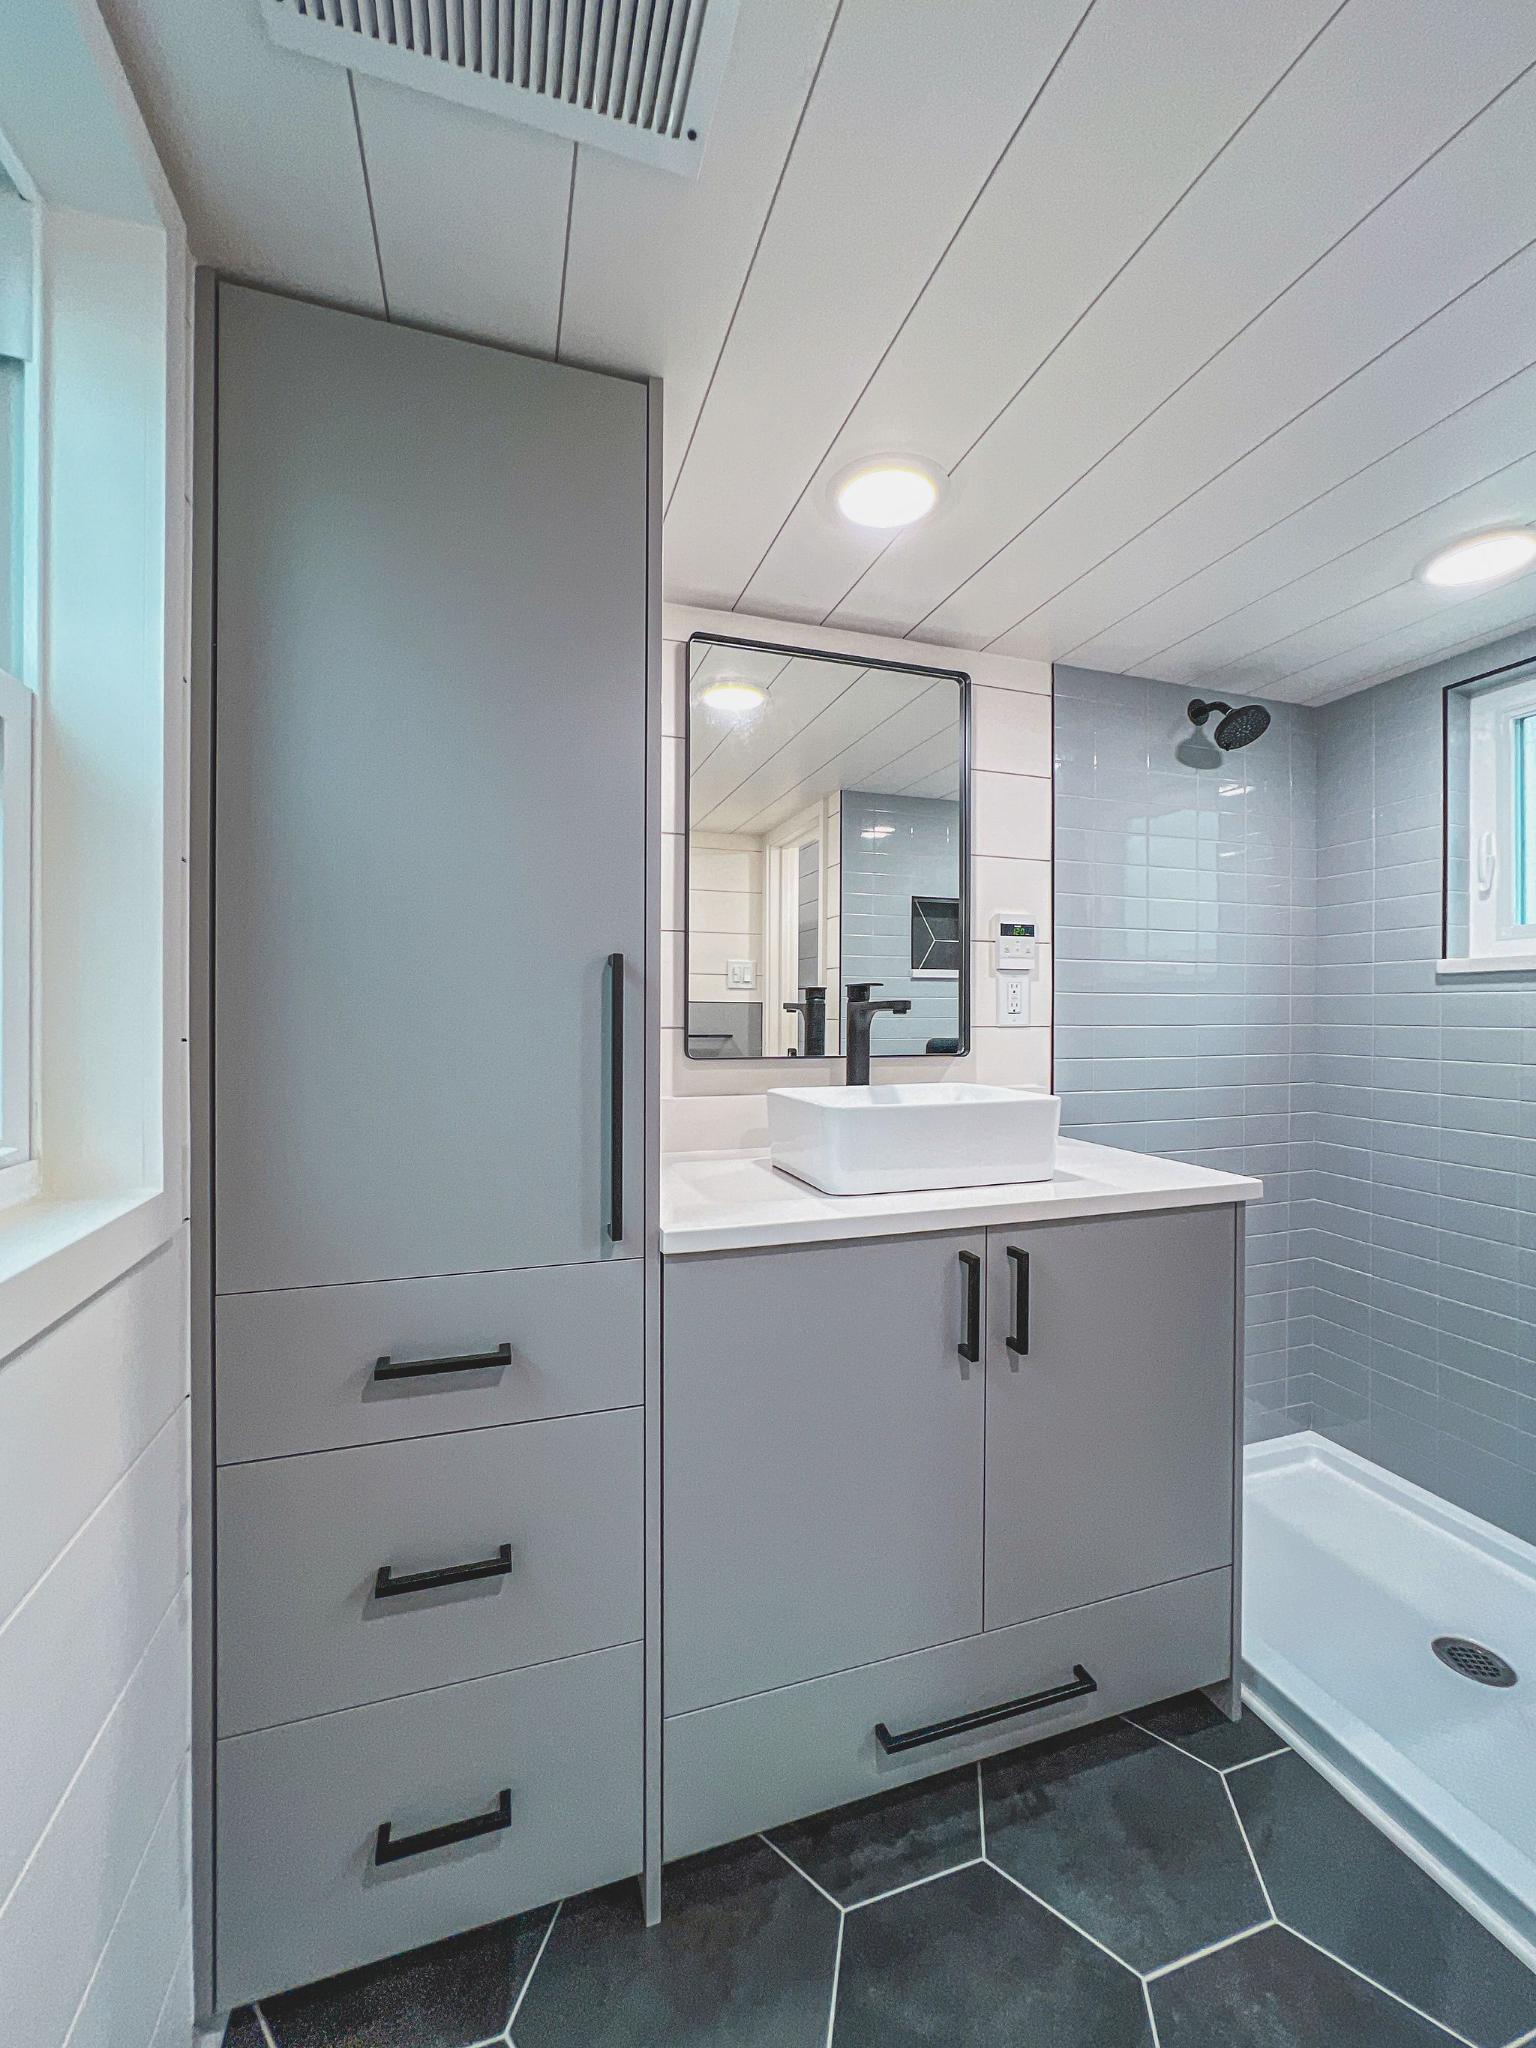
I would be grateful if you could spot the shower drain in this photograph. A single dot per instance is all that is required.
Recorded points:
(1473, 1661)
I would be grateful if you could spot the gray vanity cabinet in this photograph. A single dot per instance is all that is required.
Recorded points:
(1110, 1390)
(823, 1461)
(423, 1291)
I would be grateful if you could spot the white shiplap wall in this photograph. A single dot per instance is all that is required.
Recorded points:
(709, 1107)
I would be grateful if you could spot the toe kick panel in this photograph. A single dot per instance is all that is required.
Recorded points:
(777, 1756)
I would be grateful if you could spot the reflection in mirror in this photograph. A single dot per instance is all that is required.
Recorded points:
(827, 837)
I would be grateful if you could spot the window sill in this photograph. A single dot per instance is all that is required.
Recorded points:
(1489, 963)
(56, 1253)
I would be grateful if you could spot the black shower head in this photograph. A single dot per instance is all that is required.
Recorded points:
(1239, 728)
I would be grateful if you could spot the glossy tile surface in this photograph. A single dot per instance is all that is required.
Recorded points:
(1337, 1880)
(1130, 1840)
(972, 1963)
(1200, 1729)
(1273, 1991)
(743, 1959)
(857, 1852)
(444, 1996)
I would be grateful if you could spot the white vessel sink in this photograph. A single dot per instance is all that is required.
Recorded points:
(900, 1139)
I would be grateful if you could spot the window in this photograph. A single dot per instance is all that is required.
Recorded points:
(1491, 824)
(17, 438)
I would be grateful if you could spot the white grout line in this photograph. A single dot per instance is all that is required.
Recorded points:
(837, 1971)
(1385, 1989)
(912, 1885)
(1146, 1993)
(517, 2003)
(1263, 1887)
(1057, 1914)
(794, 1866)
(1280, 1749)
(1212, 1948)
(1522, 2040)
(267, 2034)
(1167, 1743)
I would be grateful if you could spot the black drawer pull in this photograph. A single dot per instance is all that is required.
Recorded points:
(1018, 1337)
(388, 1584)
(386, 1849)
(616, 1099)
(962, 1724)
(969, 1346)
(388, 1368)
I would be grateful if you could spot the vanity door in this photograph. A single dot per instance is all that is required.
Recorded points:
(822, 1502)
(1110, 1391)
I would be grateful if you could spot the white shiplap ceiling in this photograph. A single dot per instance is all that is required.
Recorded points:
(1221, 316)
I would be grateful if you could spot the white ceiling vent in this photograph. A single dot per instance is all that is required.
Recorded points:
(639, 77)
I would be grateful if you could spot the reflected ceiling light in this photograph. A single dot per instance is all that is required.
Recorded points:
(733, 694)
(1483, 558)
(888, 493)
(877, 831)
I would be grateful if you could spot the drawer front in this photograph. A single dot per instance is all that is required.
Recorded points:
(296, 1370)
(758, 1762)
(300, 1892)
(305, 1627)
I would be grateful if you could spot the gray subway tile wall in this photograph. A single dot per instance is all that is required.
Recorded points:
(1185, 920)
(1246, 976)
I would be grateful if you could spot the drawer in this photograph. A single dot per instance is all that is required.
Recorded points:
(301, 1893)
(780, 1755)
(303, 1627)
(296, 1370)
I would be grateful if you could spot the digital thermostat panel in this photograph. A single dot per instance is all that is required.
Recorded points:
(1015, 944)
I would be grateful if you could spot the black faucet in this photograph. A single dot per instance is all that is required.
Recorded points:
(813, 1008)
(861, 1014)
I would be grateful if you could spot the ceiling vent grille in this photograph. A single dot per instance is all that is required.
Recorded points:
(638, 77)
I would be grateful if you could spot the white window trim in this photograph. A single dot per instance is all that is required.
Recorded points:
(18, 987)
(1495, 943)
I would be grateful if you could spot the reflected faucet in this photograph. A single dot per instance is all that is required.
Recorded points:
(861, 1014)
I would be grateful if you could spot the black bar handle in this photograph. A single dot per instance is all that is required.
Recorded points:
(389, 1582)
(387, 1849)
(616, 1099)
(969, 1346)
(1018, 1337)
(387, 1368)
(962, 1724)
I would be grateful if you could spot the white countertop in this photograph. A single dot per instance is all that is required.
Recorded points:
(725, 1201)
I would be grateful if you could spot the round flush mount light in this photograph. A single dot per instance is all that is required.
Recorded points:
(1481, 558)
(732, 694)
(894, 491)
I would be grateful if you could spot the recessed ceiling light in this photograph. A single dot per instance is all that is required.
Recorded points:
(733, 694)
(1484, 558)
(888, 493)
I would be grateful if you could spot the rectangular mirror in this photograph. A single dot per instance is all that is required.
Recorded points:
(827, 840)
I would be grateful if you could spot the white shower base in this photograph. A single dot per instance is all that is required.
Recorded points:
(1349, 1573)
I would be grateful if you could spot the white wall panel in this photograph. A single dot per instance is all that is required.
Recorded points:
(1302, 172)
(471, 214)
(1082, 185)
(130, 1986)
(896, 141)
(1213, 551)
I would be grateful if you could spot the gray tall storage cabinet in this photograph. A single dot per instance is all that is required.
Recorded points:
(425, 1243)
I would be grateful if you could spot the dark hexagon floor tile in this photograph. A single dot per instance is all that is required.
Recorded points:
(1195, 1725)
(970, 1962)
(1337, 1879)
(743, 1958)
(1272, 1991)
(1128, 1838)
(445, 1996)
(244, 2029)
(857, 1852)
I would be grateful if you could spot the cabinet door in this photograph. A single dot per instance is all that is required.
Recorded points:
(429, 785)
(1109, 1438)
(823, 1462)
